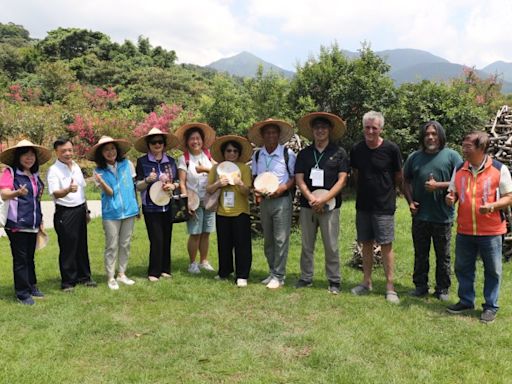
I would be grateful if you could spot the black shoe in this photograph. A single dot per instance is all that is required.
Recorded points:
(303, 284)
(459, 308)
(36, 293)
(419, 292)
(68, 289)
(487, 316)
(334, 289)
(90, 284)
(27, 301)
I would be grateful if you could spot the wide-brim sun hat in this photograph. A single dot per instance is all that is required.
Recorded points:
(244, 157)
(122, 145)
(208, 132)
(285, 134)
(171, 140)
(338, 125)
(43, 154)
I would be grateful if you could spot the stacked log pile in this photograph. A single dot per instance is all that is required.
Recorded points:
(500, 131)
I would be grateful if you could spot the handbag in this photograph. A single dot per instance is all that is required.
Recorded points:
(211, 200)
(4, 211)
(179, 209)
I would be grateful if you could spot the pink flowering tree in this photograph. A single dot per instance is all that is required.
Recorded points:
(161, 119)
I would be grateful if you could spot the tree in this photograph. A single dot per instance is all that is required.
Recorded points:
(418, 103)
(269, 94)
(14, 35)
(227, 108)
(68, 43)
(344, 86)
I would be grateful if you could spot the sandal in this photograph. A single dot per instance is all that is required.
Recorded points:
(392, 297)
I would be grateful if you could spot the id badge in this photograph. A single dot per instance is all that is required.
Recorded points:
(229, 199)
(317, 177)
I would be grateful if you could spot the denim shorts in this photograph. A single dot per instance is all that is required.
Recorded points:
(202, 222)
(371, 226)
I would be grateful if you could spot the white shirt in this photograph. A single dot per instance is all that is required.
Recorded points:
(60, 176)
(196, 181)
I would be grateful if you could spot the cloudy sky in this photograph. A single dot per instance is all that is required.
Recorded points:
(284, 32)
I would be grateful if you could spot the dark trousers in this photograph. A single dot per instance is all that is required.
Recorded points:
(71, 227)
(23, 247)
(423, 232)
(234, 233)
(159, 228)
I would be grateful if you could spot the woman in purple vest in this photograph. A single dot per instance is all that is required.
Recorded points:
(155, 166)
(21, 187)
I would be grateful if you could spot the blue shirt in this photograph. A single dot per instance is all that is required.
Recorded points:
(274, 162)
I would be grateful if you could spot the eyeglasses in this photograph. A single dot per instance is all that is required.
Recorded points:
(155, 142)
(231, 151)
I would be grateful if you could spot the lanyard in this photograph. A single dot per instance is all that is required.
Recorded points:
(317, 160)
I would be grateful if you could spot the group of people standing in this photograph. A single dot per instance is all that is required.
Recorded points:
(433, 179)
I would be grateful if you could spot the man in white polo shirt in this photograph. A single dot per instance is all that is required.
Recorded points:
(66, 185)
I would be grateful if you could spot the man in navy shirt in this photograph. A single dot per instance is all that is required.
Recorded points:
(321, 167)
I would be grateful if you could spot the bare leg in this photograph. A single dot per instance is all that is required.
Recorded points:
(367, 263)
(388, 259)
(193, 246)
(204, 243)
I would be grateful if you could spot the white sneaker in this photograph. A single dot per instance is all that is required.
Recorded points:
(194, 268)
(206, 266)
(274, 283)
(266, 280)
(241, 282)
(125, 280)
(112, 284)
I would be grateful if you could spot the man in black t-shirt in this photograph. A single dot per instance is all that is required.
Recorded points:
(321, 173)
(377, 166)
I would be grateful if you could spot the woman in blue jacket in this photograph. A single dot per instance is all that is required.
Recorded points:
(115, 175)
(21, 188)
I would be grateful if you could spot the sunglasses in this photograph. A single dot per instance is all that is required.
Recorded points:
(155, 142)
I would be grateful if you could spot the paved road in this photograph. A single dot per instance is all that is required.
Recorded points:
(48, 208)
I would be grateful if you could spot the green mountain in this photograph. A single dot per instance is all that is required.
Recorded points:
(246, 64)
(407, 66)
(501, 68)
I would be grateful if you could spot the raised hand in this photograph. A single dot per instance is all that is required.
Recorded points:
(152, 176)
(450, 199)
(73, 187)
(431, 183)
(22, 190)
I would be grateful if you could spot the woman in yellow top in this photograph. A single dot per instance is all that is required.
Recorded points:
(232, 220)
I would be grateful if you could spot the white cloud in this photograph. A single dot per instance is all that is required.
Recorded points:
(200, 31)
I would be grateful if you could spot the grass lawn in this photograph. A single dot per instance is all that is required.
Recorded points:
(194, 329)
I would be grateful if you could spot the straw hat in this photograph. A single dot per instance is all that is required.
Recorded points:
(142, 146)
(209, 134)
(43, 154)
(255, 137)
(338, 130)
(122, 145)
(244, 157)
